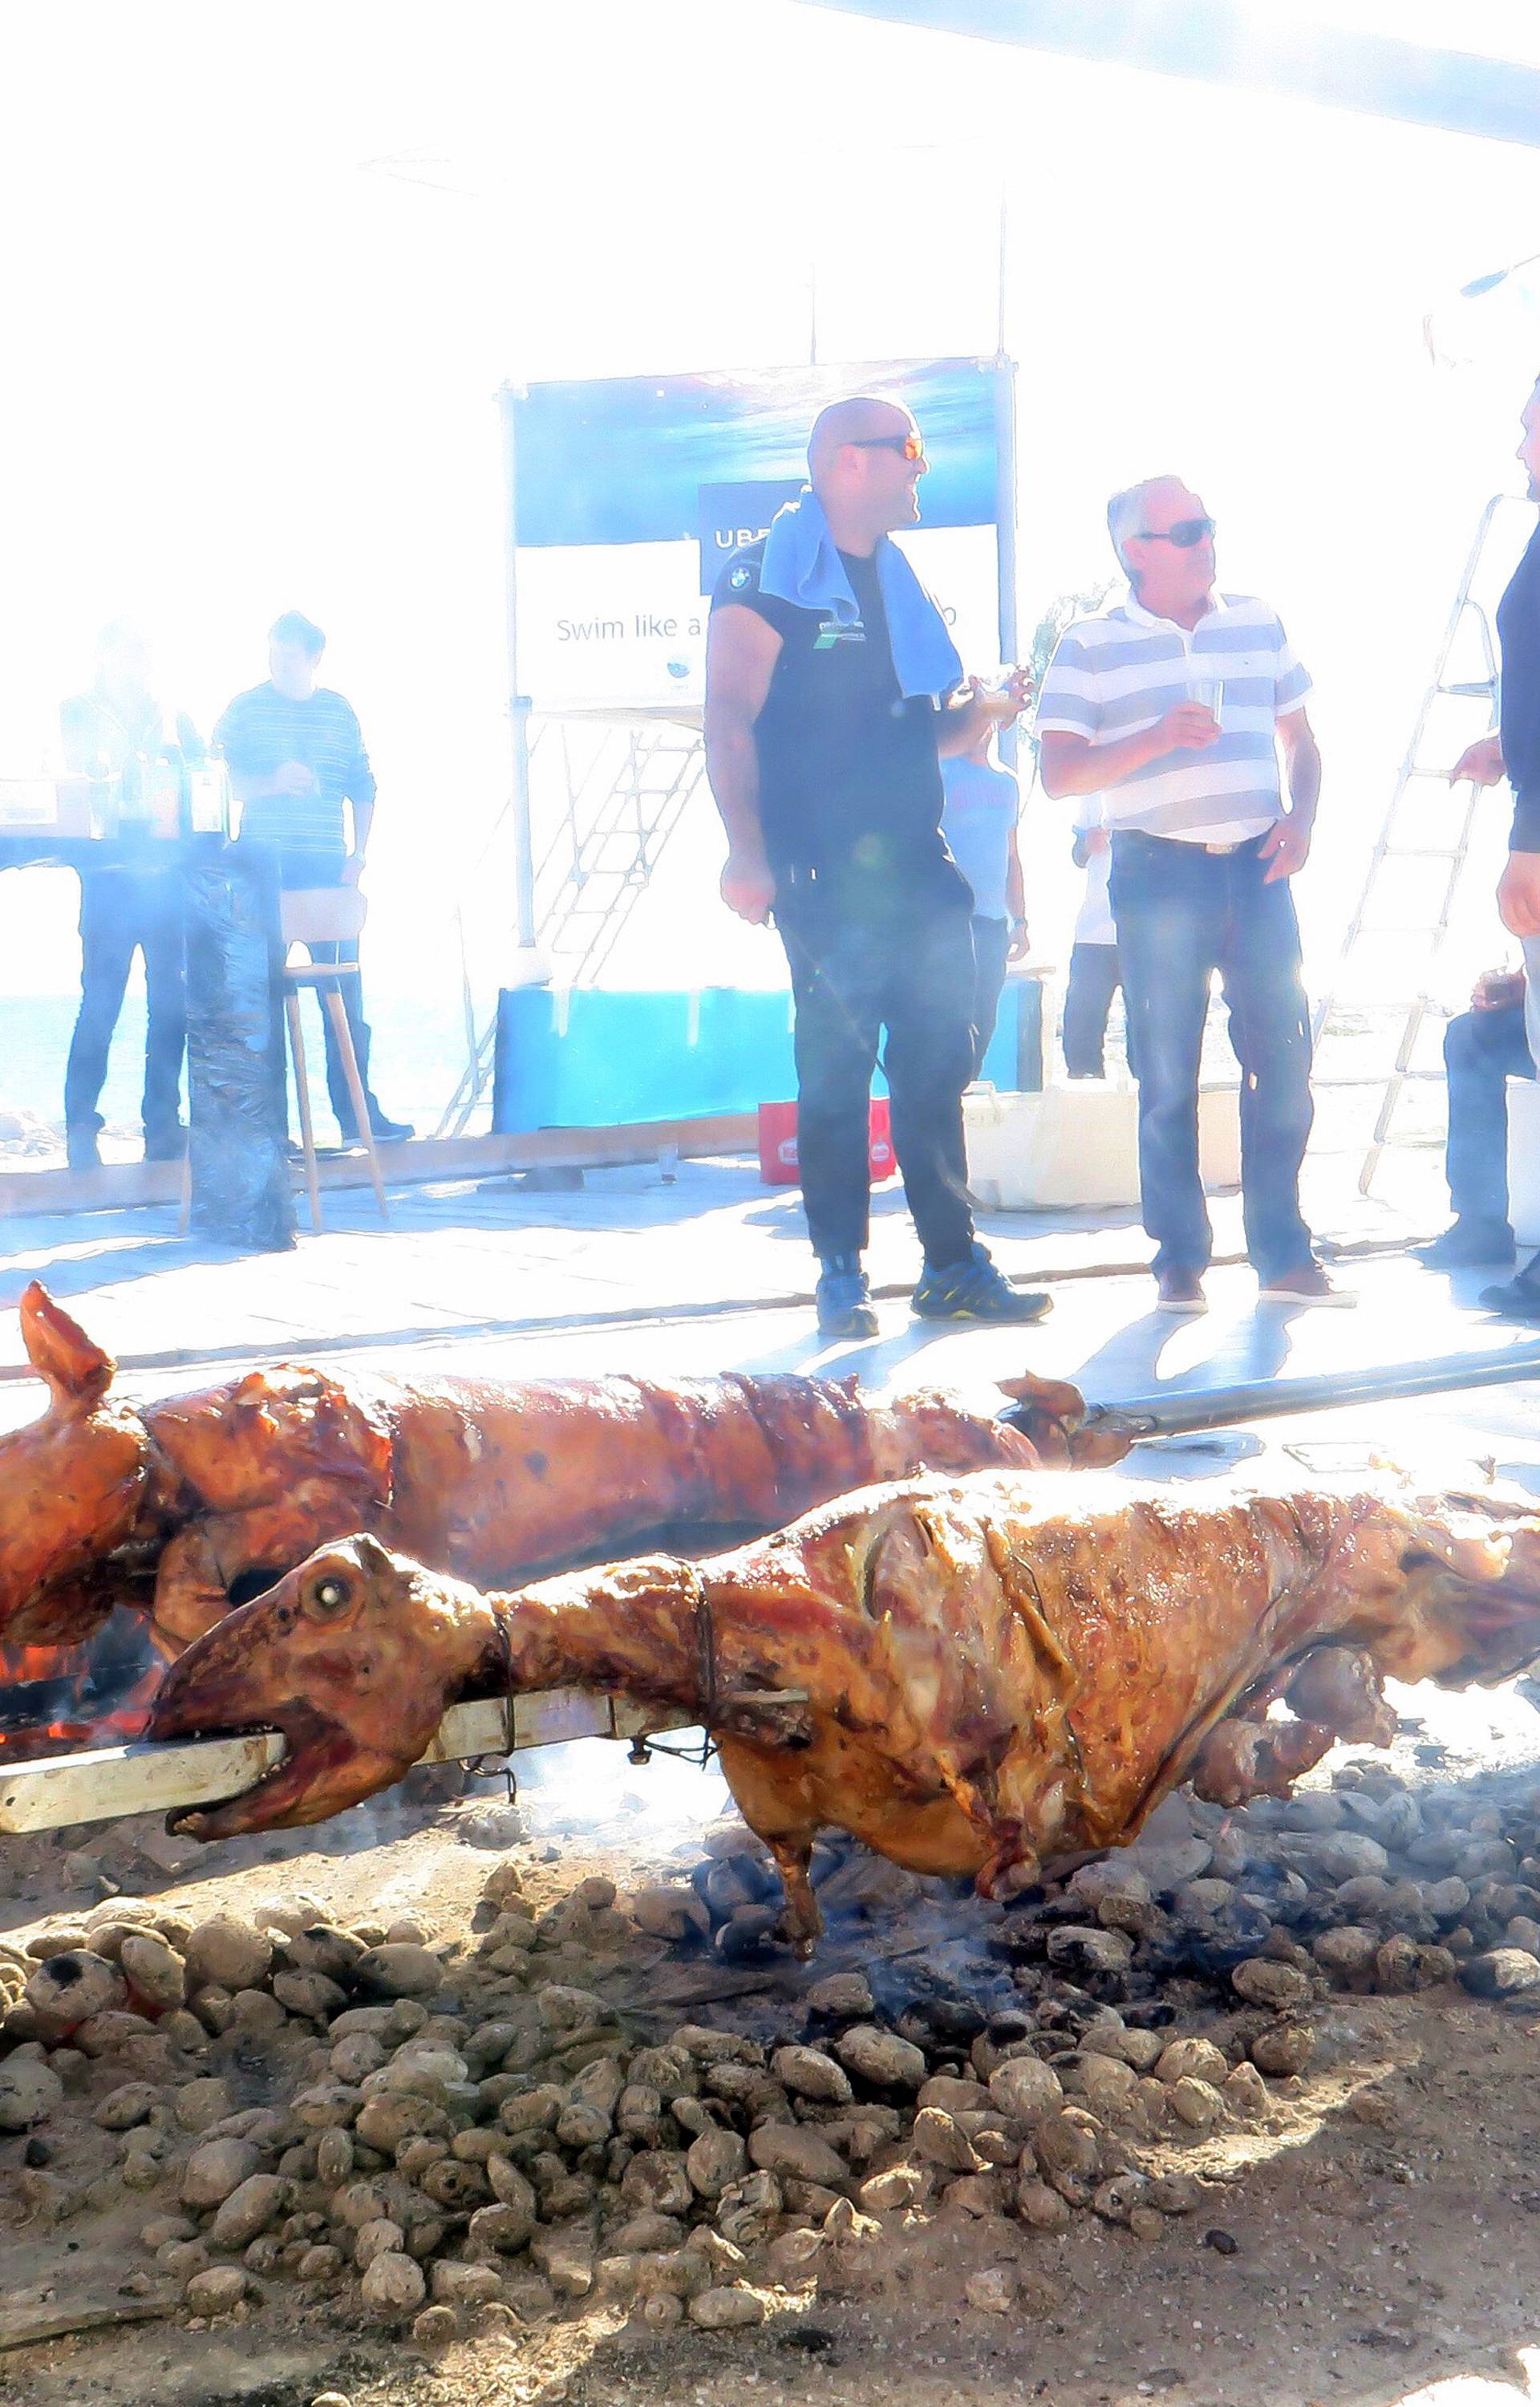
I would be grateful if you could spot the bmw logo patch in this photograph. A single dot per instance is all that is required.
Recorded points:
(740, 577)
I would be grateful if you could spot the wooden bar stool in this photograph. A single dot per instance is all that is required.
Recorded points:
(325, 915)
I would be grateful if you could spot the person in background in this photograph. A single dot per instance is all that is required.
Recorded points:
(295, 754)
(828, 668)
(982, 803)
(114, 731)
(1483, 1049)
(1514, 752)
(1094, 972)
(1172, 706)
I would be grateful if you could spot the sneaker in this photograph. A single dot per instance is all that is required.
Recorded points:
(844, 1299)
(383, 1131)
(1309, 1284)
(1469, 1245)
(81, 1150)
(1178, 1290)
(1516, 1299)
(974, 1291)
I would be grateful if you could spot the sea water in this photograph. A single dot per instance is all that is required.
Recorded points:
(419, 1054)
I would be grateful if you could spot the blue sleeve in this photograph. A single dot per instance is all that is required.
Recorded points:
(359, 777)
(739, 583)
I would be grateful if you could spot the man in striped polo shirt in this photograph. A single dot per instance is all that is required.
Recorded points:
(1170, 705)
(295, 754)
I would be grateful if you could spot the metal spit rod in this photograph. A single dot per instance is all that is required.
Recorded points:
(1173, 1412)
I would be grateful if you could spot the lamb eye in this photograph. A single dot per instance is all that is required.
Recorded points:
(331, 1595)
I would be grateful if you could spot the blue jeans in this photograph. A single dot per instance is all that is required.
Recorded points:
(121, 911)
(1094, 977)
(1482, 1052)
(1181, 914)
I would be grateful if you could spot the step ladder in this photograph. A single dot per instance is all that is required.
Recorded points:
(614, 796)
(1421, 941)
(602, 859)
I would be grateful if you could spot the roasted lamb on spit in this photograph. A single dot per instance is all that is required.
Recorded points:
(181, 1504)
(970, 1675)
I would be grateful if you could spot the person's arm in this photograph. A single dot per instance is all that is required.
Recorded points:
(1481, 764)
(1072, 764)
(742, 650)
(1015, 900)
(1519, 894)
(1498, 990)
(1286, 847)
(238, 739)
(360, 790)
(288, 778)
(363, 819)
(1070, 761)
(961, 723)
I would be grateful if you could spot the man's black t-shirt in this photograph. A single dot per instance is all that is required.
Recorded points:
(850, 780)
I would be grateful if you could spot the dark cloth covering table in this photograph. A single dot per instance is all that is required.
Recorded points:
(237, 1114)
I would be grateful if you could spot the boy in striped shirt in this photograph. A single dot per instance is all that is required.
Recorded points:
(1172, 706)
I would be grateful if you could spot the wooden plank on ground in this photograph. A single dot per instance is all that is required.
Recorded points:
(26, 2326)
(123, 1184)
(103, 1784)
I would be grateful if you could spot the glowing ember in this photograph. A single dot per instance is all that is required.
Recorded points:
(55, 1700)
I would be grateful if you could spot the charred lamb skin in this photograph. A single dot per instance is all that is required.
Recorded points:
(223, 1491)
(970, 1675)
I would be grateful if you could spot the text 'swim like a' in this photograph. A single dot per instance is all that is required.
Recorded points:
(644, 624)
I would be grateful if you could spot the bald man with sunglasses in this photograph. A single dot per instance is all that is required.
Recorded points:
(828, 675)
(1172, 705)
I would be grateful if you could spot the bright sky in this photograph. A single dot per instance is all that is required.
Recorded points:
(266, 265)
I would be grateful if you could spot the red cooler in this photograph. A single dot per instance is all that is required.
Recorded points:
(778, 1143)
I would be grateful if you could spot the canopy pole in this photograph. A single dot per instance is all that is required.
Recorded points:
(518, 701)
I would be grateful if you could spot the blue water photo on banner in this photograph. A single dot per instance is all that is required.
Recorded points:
(625, 459)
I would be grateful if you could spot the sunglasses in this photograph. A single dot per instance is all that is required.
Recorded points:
(907, 447)
(1186, 534)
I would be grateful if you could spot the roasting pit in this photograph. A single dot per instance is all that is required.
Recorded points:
(1205, 2027)
(1335, 2143)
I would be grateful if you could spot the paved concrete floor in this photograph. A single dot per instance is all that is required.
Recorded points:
(710, 1272)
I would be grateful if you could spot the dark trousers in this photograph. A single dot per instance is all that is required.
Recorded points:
(1482, 1052)
(1094, 977)
(1182, 913)
(124, 911)
(911, 973)
(302, 869)
(991, 946)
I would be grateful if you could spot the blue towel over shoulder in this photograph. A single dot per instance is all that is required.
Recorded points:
(802, 566)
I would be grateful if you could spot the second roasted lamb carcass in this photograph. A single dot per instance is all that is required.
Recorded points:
(970, 1676)
(182, 1503)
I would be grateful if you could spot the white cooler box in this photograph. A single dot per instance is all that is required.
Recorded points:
(1078, 1145)
(1524, 1160)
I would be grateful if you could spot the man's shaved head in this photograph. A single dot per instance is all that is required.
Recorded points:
(847, 422)
(856, 463)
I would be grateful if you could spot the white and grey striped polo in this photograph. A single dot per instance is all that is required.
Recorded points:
(1122, 671)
